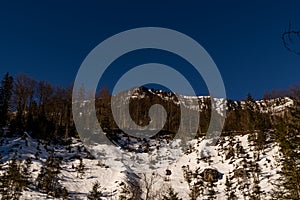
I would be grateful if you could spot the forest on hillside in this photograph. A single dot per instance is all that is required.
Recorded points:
(45, 110)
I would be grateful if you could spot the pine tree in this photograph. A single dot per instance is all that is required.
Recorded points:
(47, 180)
(3, 181)
(80, 168)
(14, 181)
(211, 193)
(288, 138)
(256, 189)
(195, 191)
(26, 171)
(171, 195)
(5, 96)
(64, 193)
(229, 190)
(125, 192)
(95, 194)
(254, 120)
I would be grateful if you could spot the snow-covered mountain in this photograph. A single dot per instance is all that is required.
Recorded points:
(233, 158)
(146, 168)
(188, 106)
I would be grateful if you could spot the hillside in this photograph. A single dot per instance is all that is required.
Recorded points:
(233, 158)
(43, 156)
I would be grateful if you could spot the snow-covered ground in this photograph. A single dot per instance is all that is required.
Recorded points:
(113, 169)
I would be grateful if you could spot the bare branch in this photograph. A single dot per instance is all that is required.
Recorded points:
(291, 40)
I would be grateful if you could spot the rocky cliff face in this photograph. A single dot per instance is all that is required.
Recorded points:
(179, 109)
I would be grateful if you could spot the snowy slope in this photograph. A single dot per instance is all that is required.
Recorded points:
(111, 171)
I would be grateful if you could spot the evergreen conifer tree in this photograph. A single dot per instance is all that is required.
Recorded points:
(95, 194)
(211, 193)
(26, 171)
(5, 95)
(47, 180)
(80, 168)
(171, 195)
(13, 181)
(229, 191)
(288, 137)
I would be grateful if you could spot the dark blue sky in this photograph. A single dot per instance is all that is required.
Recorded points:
(49, 39)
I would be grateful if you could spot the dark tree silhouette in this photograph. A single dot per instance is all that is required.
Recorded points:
(5, 95)
(291, 40)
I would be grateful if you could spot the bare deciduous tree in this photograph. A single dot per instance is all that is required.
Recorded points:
(148, 181)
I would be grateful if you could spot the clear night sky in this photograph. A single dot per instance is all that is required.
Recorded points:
(49, 39)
